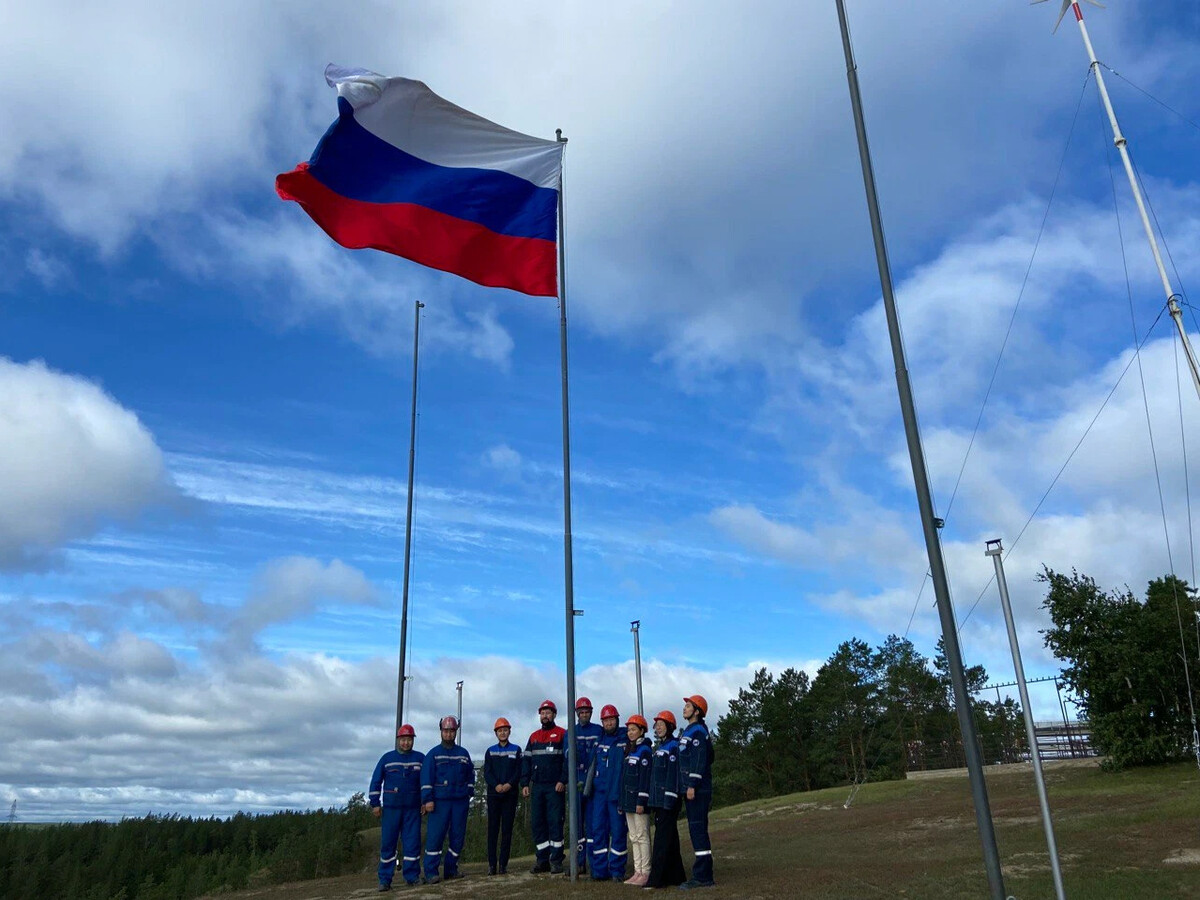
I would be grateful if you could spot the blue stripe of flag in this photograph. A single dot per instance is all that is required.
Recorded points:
(356, 164)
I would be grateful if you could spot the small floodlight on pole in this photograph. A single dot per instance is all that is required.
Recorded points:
(995, 551)
(636, 624)
(458, 687)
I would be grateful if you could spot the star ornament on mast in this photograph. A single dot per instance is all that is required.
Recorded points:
(1062, 12)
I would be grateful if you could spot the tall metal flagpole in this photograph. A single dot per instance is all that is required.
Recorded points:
(569, 574)
(636, 626)
(412, 456)
(995, 551)
(1120, 143)
(929, 523)
(1172, 298)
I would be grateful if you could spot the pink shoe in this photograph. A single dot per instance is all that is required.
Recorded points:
(643, 879)
(633, 880)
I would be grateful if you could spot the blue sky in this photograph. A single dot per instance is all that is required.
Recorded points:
(205, 402)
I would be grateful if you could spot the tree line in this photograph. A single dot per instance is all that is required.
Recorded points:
(868, 714)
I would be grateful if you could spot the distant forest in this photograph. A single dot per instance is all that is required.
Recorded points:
(867, 715)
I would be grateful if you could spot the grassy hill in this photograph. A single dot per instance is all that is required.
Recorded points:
(1129, 835)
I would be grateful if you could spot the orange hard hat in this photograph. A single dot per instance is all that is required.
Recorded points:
(609, 712)
(583, 703)
(639, 721)
(699, 702)
(501, 723)
(405, 731)
(667, 716)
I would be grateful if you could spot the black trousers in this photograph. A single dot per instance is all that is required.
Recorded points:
(546, 823)
(501, 813)
(666, 862)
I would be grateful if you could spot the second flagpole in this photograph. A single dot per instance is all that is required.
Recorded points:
(412, 457)
(568, 566)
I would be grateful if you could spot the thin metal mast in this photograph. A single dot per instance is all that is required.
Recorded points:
(412, 456)
(636, 626)
(569, 574)
(458, 687)
(929, 523)
(995, 550)
(1121, 144)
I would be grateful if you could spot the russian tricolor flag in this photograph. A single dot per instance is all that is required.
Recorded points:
(404, 171)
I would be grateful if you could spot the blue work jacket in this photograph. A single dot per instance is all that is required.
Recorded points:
(695, 758)
(607, 763)
(448, 774)
(664, 775)
(635, 777)
(397, 780)
(502, 765)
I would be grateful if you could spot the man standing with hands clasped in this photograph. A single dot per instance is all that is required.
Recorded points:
(695, 776)
(502, 772)
(447, 785)
(396, 801)
(544, 774)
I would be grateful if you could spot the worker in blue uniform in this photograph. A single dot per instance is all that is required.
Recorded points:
(447, 785)
(606, 822)
(666, 863)
(544, 774)
(502, 772)
(585, 735)
(395, 798)
(695, 777)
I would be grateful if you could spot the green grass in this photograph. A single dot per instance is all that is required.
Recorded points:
(916, 839)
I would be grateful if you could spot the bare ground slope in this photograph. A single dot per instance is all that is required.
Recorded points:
(1130, 835)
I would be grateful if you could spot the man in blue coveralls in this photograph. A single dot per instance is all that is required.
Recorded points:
(447, 785)
(695, 777)
(606, 825)
(396, 801)
(585, 735)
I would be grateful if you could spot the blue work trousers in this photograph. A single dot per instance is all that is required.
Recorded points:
(607, 831)
(403, 825)
(697, 816)
(447, 816)
(546, 823)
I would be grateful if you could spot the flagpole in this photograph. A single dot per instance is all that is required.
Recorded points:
(412, 456)
(929, 521)
(568, 567)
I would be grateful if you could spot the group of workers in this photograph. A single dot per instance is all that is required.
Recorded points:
(624, 780)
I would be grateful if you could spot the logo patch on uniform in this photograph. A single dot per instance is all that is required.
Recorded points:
(696, 741)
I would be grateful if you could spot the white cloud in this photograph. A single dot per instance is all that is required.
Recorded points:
(294, 587)
(71, 459)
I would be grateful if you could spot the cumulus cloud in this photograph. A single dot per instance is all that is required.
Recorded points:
(72, 459)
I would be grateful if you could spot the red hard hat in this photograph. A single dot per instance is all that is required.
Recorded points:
(448, 723)
(583, 703)
(699, 702)
(548, 704)
(501, 723)
(667, 716)
(639, 721)
(405, 731)
(609, 712)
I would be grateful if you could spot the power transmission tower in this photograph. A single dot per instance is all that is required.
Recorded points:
(12, 813)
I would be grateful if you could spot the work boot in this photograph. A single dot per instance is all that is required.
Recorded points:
(434, 879)
(504, 870)
(491, 870)
(384, 888)
(692, 884)
(556, 868)
(539, 868)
